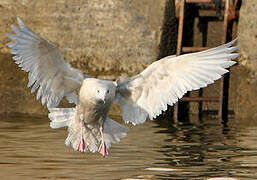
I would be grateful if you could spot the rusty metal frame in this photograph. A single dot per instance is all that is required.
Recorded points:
(229, 14)
(224, 39)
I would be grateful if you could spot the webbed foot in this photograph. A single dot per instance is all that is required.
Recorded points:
(102, 148)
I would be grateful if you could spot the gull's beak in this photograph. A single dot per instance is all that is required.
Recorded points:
(102, 100)
(105, 98)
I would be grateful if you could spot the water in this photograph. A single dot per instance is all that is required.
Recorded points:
(29, 149)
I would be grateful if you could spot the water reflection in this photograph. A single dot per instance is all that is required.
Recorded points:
(29, 149)
(209, 149)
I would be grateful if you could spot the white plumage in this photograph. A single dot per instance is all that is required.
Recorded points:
(143, 96)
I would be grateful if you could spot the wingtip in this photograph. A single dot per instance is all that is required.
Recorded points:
(21, 24)
(232, 42)
(229, 44)
(11, 36)
(14, 28)
(233, 63)
(10, 44)
(235, 40)
(237, 47)
(19, 20)
(236, 55)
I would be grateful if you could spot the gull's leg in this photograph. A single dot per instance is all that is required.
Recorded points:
(102, 149)
(82, 144)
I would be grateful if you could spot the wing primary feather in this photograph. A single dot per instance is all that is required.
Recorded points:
(42, 59)
(26, 29)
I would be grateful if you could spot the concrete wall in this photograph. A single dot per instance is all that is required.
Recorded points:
(111, 38)
(101, 35)
(247, 33)
(246, 84)
(104, 38)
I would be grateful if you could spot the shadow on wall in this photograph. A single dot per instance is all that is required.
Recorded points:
(168, 42)
(14, 95)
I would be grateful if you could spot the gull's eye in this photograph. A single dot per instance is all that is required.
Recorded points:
(98, 91)
(108, 91)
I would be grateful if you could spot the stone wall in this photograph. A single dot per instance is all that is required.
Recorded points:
(246, 84)
(101, 35)
(247, 33)
(104, 38)
(111, 38)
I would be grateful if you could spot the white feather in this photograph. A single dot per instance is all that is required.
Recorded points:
(113, 132)
(45, 64)
(167, 80)
(61, 117)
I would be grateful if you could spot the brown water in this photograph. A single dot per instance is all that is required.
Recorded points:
(29, 149)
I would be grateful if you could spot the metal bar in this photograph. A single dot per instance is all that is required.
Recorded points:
(225, 22)
(204, 43)
(235, 3)
(201, 99)
(179, 45)
(175, 115)
(198, 1)
(194, 49)
(200, 104)
(177, 5)
(180, 26)
(224, 39)
(208, 12)
(223, 96)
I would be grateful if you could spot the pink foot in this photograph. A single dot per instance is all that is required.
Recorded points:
(102, 149)
(82, 144)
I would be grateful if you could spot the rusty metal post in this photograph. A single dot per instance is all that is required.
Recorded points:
(179, 44)
(199, 1)
(194, 49)
(180, 26)
(222, 99)
(223, 106)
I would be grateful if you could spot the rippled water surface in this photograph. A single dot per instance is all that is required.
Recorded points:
(29, 149)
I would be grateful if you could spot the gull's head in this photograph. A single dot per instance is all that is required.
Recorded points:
(100, 91)
(103, 94)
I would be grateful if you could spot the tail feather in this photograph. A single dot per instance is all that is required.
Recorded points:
(113, 132)
(60, 117)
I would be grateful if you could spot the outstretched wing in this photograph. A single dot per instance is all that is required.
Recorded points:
(48, 72)
(167, 80)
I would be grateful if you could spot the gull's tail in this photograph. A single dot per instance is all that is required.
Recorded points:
(113, 132)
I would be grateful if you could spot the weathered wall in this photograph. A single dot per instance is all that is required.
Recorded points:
(101, 35)
(104, 38)
(110, 38)
(246, 86)
(247, 33)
